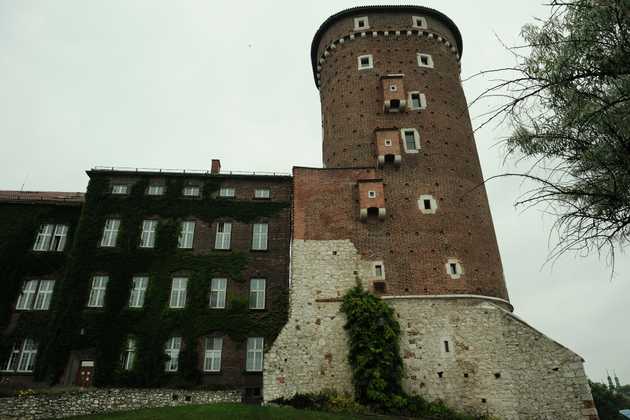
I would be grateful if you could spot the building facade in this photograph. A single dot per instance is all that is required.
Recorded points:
(224, 280)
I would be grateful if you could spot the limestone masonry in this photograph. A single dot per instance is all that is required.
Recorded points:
(193, 292)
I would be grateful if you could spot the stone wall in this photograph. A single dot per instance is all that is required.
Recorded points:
(90, 401)
(468, 351)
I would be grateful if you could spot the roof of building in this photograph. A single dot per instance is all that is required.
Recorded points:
(55, 197)
(185, 172)
(378, 9)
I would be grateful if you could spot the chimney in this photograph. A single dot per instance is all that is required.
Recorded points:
(216, 166)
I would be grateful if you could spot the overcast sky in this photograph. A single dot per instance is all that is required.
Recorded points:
(173, 84)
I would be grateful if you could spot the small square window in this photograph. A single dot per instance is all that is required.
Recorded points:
(417, 101)
(419, 22)
(262, 193)
(365, 62)
(120, 189)
(191, 191)
(155, 190)
(454, 268)
(388, 142)
(427, 204)
(393, 88)
(371, 194)
(425, 60)
(361, 23)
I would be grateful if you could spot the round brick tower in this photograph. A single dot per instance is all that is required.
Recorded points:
(392, 99)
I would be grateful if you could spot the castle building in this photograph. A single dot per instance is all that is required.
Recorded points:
(158, 278)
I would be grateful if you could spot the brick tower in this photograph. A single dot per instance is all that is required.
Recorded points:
(400, 208)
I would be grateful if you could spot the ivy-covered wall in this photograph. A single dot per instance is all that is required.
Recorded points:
(101, 333)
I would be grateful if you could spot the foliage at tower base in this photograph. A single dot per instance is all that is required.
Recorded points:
(568, 102)
(610, 402)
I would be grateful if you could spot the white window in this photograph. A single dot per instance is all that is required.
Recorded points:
(97, 293)
(110, 232)
(227, 192)
(27, 296)
(254, 354)
(419, 22)
(262, 193)
(427, 204)
(178, 292)
(22, 357)
(257, 293)
(417, 101)
(454, 268)
(217, 293)
(411, 140)
(388, 142)
(379, 270)
(128, 356)
(51, 238)
(212, 356)
(224, 236)
(260, 235)
(361, 23)
(120, 189)
(147, 238)
(371, 194)
(155, 190)
(138, 291)
(191, 191)
(44, 295)
(365, 62)
(172, 348)
(424, 60)
(186, 235)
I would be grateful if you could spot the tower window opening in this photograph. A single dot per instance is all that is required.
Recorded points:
(372, 212)
(417, 101)
(393, 88)
(454, 268)
(390, 159)
(419, 22)
(425, 60)
(412, 143)
(361, 23)
(427, 204)
(378, 271)
(366, 62)
(371, 194)
(446, 346)
(394, 104)
(388, 142)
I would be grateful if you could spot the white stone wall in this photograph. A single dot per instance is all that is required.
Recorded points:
(495, 362)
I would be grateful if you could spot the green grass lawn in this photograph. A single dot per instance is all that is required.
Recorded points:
(224, 412)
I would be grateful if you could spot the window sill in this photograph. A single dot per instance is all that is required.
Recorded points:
(262, 198)
(257, 309)
(253, 373)
(222, 249)
(259, 250)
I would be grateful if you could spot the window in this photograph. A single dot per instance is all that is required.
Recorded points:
(110, 232)
(379, 270)
(147, 237)
(212, 356)
(178, 292)
(51, 238)
(259, 236)
(417, 101)
(257, 293)
(361, 23)
(262, 193)
(411, 140)
(35, 295)
(224, 236)
(227, 192)
(446, 347)
(22, 357)
(419, 22)
(155, 190)
(393, 88)
(427, 204)
(365, 62)
(254, 354)
(425, 60)
(138, 291)
(172, 348)
(97, 293)
(128, 356)
(388, 143)
(217, 293)
(186, 235)
(191, 191)
(371, 194)
(120, 189)
(454, 268)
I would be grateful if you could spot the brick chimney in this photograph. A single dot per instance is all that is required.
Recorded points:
(216, 166)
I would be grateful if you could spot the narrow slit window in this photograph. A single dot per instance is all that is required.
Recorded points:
(419, 22)
(427, 204)
(446, 346)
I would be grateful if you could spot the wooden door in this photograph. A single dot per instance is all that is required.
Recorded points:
(85, 373)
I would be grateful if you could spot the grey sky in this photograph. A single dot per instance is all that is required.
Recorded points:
(173, 84)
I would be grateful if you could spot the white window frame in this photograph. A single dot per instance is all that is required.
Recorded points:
(138, 291)
(430, 64)
(416, 136)
(433, 203)
(227, 192)
(260, 236)
(421, 19)
(51, 237)
(172, 348)
(223, 239)
(218, 288)
(128, 356)
(179, 291)
(371, 194)
(262, 193)
(155, 189)
(459, 269)
(110, 233)
(366, 23)
(120, 189)
(375, 270)
(191, 191)
(44, 295)
(421, 98)
(22, 357)
(147, 236)
(186, 235)
(388, 142)
(257, 293)
(213, 347)
(98, 291)
(254, 358)
(369, 65)
(27, 295)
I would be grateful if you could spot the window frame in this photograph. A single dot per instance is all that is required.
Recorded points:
(179, 293)
(196, 188)
(430, 63)
(172, 349)
(416, 136)
(155, 193)
(258, 295)
(262, 193)
(219, 292)
(43, 298)
(33, 297)
(222, 236)
(98, 291)
(223, 189)
(422, 101)
(260, 239)
(50, 232)
(212, 354)
(22, 353)
(369, 65)
(186, 235)
(128, 356)
(458, 267)
(255, 349)
(120, 189)
(148, 241)
(138, 292)
(366, 23)
(109, 237)
(422, 25)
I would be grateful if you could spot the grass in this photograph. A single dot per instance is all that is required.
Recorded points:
(224, 412)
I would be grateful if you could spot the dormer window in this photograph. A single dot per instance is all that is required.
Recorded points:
(419, 22)
(425, 60)
(361, 23)
(365, 62)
